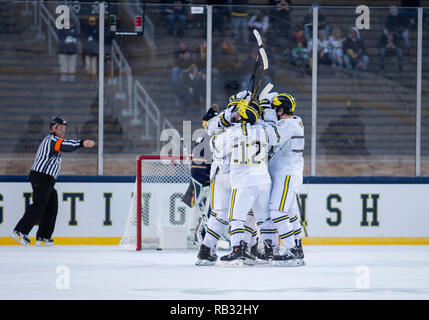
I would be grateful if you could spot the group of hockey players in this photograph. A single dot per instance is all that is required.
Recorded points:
(256, 168)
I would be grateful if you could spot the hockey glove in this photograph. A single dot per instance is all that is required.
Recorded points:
(270, 115)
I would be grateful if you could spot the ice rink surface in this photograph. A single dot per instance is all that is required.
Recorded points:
(105, 272)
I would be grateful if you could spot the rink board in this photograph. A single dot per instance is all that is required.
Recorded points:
(94, 210)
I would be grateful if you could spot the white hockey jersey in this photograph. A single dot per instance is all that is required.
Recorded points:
(288, 154)
(220, 160)
(247, 148)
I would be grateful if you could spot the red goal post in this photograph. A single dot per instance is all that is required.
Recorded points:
(164, 221)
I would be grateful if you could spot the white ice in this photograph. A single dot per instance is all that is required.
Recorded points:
(105, 272)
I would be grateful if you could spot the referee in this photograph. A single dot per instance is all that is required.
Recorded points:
(43, 174)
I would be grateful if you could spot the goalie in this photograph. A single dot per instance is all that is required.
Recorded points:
(198, 189)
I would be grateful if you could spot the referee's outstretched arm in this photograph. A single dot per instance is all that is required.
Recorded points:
(63, 145)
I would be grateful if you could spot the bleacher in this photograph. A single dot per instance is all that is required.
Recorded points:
(29, 87)
(389, 96)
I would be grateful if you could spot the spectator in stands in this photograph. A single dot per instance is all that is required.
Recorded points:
(114, 137)
(281, 18)
(260, 21)
(30, 139)
(389, 44)
(239, 20)
(409, 10)
(190, 85)
(398, 23)
(67, 51)
(298, 34)
(345, 135)
(322, 48)
(355, 56)
(201, 55)
(175, 13)
(226, 61)
(336, 47)
(308, 23)
(27, 143)
(201, 61)
(90, 46)
(219, 11)
(300, 56)
(183, 58)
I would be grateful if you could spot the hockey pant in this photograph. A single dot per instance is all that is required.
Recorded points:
(220, 191)
(283, 208)
(244, 200)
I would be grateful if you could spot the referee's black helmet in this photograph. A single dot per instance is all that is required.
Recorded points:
(56, 121)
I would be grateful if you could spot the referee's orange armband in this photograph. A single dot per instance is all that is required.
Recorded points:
(58, 145)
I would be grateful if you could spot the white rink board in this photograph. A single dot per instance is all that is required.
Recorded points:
(100, 209)
(402, 210)
(95, 209)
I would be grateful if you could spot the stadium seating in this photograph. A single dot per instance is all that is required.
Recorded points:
(30, 89)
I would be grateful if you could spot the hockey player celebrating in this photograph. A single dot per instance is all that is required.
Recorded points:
(227, 116)
(246, 144)
(220, 187)
(286, 169)
(220, 190)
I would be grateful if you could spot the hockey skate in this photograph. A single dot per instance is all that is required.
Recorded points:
(299, 252)
(205, 257)
(255, 253)
(43, 242)
(249, 258)
(285, 258)
(235, 258)
(267, 255)
(20, 237)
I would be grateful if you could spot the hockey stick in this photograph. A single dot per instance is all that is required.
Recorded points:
(301, 213)
(261, 60)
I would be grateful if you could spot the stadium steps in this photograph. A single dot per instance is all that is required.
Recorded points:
(30, 87)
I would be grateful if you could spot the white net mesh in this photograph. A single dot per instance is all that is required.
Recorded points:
(163, 184)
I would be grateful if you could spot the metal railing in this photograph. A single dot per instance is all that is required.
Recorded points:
(138, 99)
(151, 113)
(124, 77)
(43, 18)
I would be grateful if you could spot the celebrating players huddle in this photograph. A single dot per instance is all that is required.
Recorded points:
(257, 166)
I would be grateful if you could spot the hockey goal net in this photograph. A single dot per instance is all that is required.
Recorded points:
(164, 222)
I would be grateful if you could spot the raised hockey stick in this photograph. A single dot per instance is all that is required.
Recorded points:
(301, 213)
(261, 65)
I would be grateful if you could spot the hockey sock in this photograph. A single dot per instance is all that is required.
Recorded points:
(250, 230)
(296, 223)
(215, 228)
(237, 232)
(268, 231)
(284, 227)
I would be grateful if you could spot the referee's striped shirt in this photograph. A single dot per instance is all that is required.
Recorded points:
(48, 157)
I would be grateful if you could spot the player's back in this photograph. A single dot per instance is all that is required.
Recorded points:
(288, 156)
(249, 149)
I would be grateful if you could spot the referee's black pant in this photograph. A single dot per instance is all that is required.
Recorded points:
(43, 209)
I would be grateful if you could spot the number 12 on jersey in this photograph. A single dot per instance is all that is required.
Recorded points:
(246, 153)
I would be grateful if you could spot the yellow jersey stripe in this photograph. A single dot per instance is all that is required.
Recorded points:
(243, 128)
